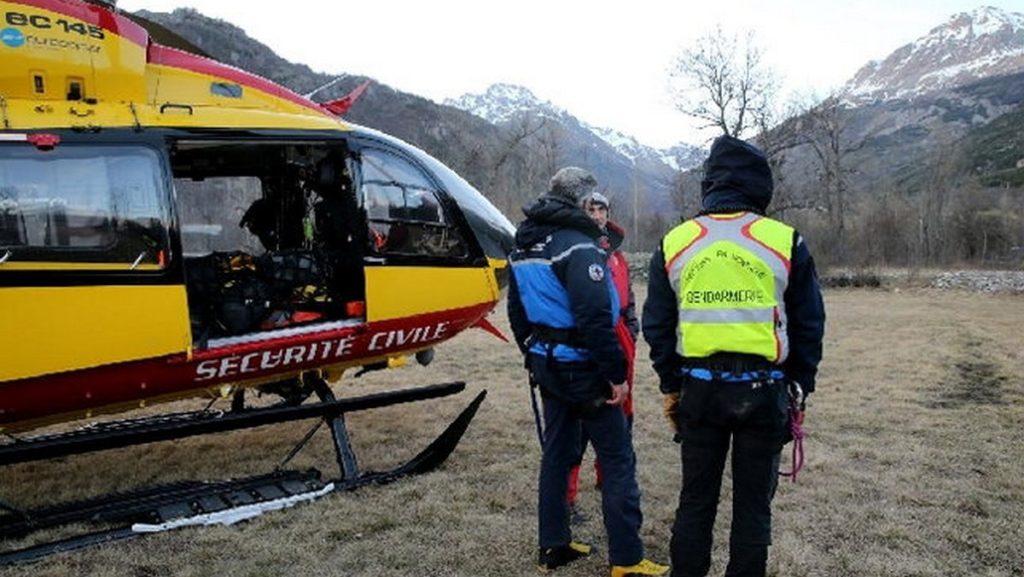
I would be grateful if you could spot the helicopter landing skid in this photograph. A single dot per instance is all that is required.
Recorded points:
(205, 503)
(427, 460)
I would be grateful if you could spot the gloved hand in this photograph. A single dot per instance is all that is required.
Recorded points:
(670, 408)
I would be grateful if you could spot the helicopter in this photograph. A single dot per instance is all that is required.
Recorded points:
(174, 227)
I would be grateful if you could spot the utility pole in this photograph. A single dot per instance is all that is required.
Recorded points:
(636, 214)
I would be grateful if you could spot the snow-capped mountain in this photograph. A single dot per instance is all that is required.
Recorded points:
(969, 46)
(679, 157)
(501, 103)
(954, 93)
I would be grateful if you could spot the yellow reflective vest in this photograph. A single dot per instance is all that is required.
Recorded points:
(730, 272)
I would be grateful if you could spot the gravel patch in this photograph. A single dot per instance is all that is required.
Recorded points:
(987, 281)
(993, 281)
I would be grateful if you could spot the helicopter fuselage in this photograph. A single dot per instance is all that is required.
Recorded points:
(171, 226)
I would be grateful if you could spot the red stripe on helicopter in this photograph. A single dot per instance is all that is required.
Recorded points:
(166, 56)
(96, 16)
(94, 388)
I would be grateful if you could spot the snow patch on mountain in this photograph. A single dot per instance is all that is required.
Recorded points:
(503, 103)
(968, 47)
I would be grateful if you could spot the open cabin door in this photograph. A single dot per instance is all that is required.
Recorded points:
(273, 236)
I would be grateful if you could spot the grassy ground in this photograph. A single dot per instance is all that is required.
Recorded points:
(915, 466)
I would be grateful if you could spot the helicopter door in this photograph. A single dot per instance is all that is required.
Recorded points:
(418, 258)
(84, 245)
(271, 234)
(406, 219)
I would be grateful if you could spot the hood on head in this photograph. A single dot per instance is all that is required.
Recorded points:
(549, 213)
(738, 171)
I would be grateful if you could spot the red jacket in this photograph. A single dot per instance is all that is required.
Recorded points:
(627, 328)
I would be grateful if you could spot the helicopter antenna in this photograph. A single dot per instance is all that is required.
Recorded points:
(326, 86)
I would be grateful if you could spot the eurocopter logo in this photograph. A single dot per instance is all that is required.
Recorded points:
(12, 37)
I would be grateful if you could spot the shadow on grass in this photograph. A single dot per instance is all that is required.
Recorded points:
(972, 380)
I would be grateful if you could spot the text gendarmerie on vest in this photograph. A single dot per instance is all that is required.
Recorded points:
(724, 296)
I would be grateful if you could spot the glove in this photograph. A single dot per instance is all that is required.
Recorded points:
(670, 408)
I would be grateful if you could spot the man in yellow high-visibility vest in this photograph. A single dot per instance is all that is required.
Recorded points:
(735, 320)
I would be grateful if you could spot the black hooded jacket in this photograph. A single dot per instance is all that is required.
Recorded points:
(737, 178)
(559, 232)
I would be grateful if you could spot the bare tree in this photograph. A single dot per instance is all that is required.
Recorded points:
(509, 183)
(685, 189)
(824, 129)
(723, 83)
(781, 130)
(552, 150)
(524, 127)
(942, 178)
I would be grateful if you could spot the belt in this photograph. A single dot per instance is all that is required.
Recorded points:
(568, 336)
(767, 375)
(729, 363)
(731, 367)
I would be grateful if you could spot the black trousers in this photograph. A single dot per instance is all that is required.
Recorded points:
(754, 417)
(565, 421)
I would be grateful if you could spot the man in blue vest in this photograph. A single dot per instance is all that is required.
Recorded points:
(563, 309)
(735, 320)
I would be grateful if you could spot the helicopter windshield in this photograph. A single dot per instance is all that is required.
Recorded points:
(103, 207)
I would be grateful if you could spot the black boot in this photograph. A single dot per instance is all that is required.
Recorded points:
(747, 561)
(551, 558)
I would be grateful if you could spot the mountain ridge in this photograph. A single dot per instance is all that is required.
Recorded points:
(500, 103)
(967, 47)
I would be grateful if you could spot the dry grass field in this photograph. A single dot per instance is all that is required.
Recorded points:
(915, 466)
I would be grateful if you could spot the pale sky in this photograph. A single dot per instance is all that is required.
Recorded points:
(605, 62)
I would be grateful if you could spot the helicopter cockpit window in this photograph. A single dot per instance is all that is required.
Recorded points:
(93, 207)
(403, 207)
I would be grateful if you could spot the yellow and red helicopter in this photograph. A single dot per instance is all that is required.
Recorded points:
(171, 226)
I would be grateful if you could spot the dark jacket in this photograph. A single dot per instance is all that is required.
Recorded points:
(737, 178)
(563, 237)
